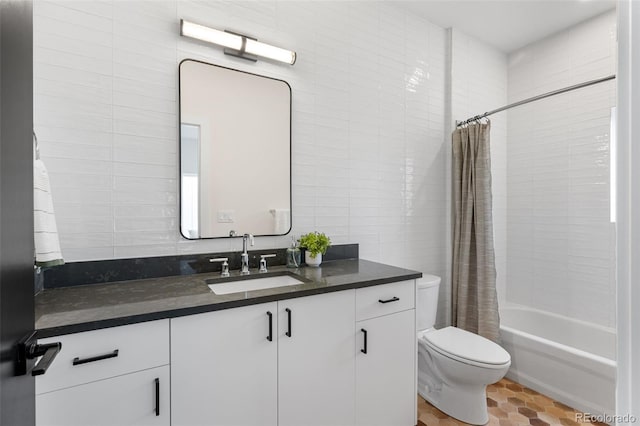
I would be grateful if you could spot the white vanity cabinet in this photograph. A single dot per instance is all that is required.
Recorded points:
(223, 367)
(225, 370)
(128, 400)
(301, 361)
(386, 355)
(316, 364)
(114, 376)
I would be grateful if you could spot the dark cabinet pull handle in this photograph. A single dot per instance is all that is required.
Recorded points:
(270, 336)
(393, 299)
(157, 396)
(78, 361)
(288, 333)
(364, 350)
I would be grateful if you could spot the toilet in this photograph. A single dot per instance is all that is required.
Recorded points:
(454, 365)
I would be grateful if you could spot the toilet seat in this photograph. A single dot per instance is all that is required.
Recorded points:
(466, 347)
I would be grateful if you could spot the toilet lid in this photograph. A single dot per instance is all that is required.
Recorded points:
(464, 345)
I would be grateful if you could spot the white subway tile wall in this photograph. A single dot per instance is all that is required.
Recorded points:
(370, 157)
(560, 246)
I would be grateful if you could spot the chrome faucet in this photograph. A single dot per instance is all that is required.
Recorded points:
(224, 270)
(244, 257)
(263, 262)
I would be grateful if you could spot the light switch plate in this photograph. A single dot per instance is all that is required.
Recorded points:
(226, 216)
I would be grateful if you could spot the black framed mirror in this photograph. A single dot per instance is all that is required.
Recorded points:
(235, 152)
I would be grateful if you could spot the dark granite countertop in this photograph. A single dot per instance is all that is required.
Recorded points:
(81, 308)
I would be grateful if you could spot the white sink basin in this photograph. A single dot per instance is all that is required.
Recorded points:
(254, 284)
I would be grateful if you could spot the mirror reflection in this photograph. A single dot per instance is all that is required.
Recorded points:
(235, 152)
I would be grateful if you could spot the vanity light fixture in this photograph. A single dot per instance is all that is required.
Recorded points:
(236, 44)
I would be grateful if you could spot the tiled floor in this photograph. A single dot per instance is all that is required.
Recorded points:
(510, 404)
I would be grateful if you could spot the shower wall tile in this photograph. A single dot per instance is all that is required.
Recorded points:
(560, 250)
(370, 156)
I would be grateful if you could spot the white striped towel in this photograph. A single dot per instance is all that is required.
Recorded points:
(46, 240)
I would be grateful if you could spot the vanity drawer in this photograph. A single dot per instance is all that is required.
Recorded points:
(384, 299)
(100, 354)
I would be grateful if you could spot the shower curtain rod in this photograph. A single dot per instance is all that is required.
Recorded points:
(536, 98)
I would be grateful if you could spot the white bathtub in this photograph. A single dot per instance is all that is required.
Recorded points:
(568, 360)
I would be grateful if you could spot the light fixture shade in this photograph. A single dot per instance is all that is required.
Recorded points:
(200, 32)
(242, 46)
(266, 50)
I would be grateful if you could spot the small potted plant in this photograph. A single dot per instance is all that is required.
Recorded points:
(316, 244)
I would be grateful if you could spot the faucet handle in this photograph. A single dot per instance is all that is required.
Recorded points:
(263, 261)
(250, 237)
(225, 265)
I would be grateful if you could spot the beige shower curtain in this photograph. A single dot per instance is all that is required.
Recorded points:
(474, 298)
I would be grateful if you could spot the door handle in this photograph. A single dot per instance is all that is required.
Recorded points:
(48, 353)
(288, 333)
(364, 349)
(28, 348)
(270, 336)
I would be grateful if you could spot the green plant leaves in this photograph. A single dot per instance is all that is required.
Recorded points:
(315, 242)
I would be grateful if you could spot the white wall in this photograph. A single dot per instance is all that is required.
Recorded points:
(479, 84)
(369, 148)
(560, 247)
(628, 223)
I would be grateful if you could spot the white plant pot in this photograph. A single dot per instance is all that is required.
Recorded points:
(312, 261)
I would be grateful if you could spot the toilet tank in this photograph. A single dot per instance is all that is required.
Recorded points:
(427, 301)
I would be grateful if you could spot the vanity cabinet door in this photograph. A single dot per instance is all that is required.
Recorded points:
(386, 373)
(316, 364)
(223, 367)
(136, 399)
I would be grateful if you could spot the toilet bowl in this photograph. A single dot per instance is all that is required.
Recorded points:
(454, 365)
